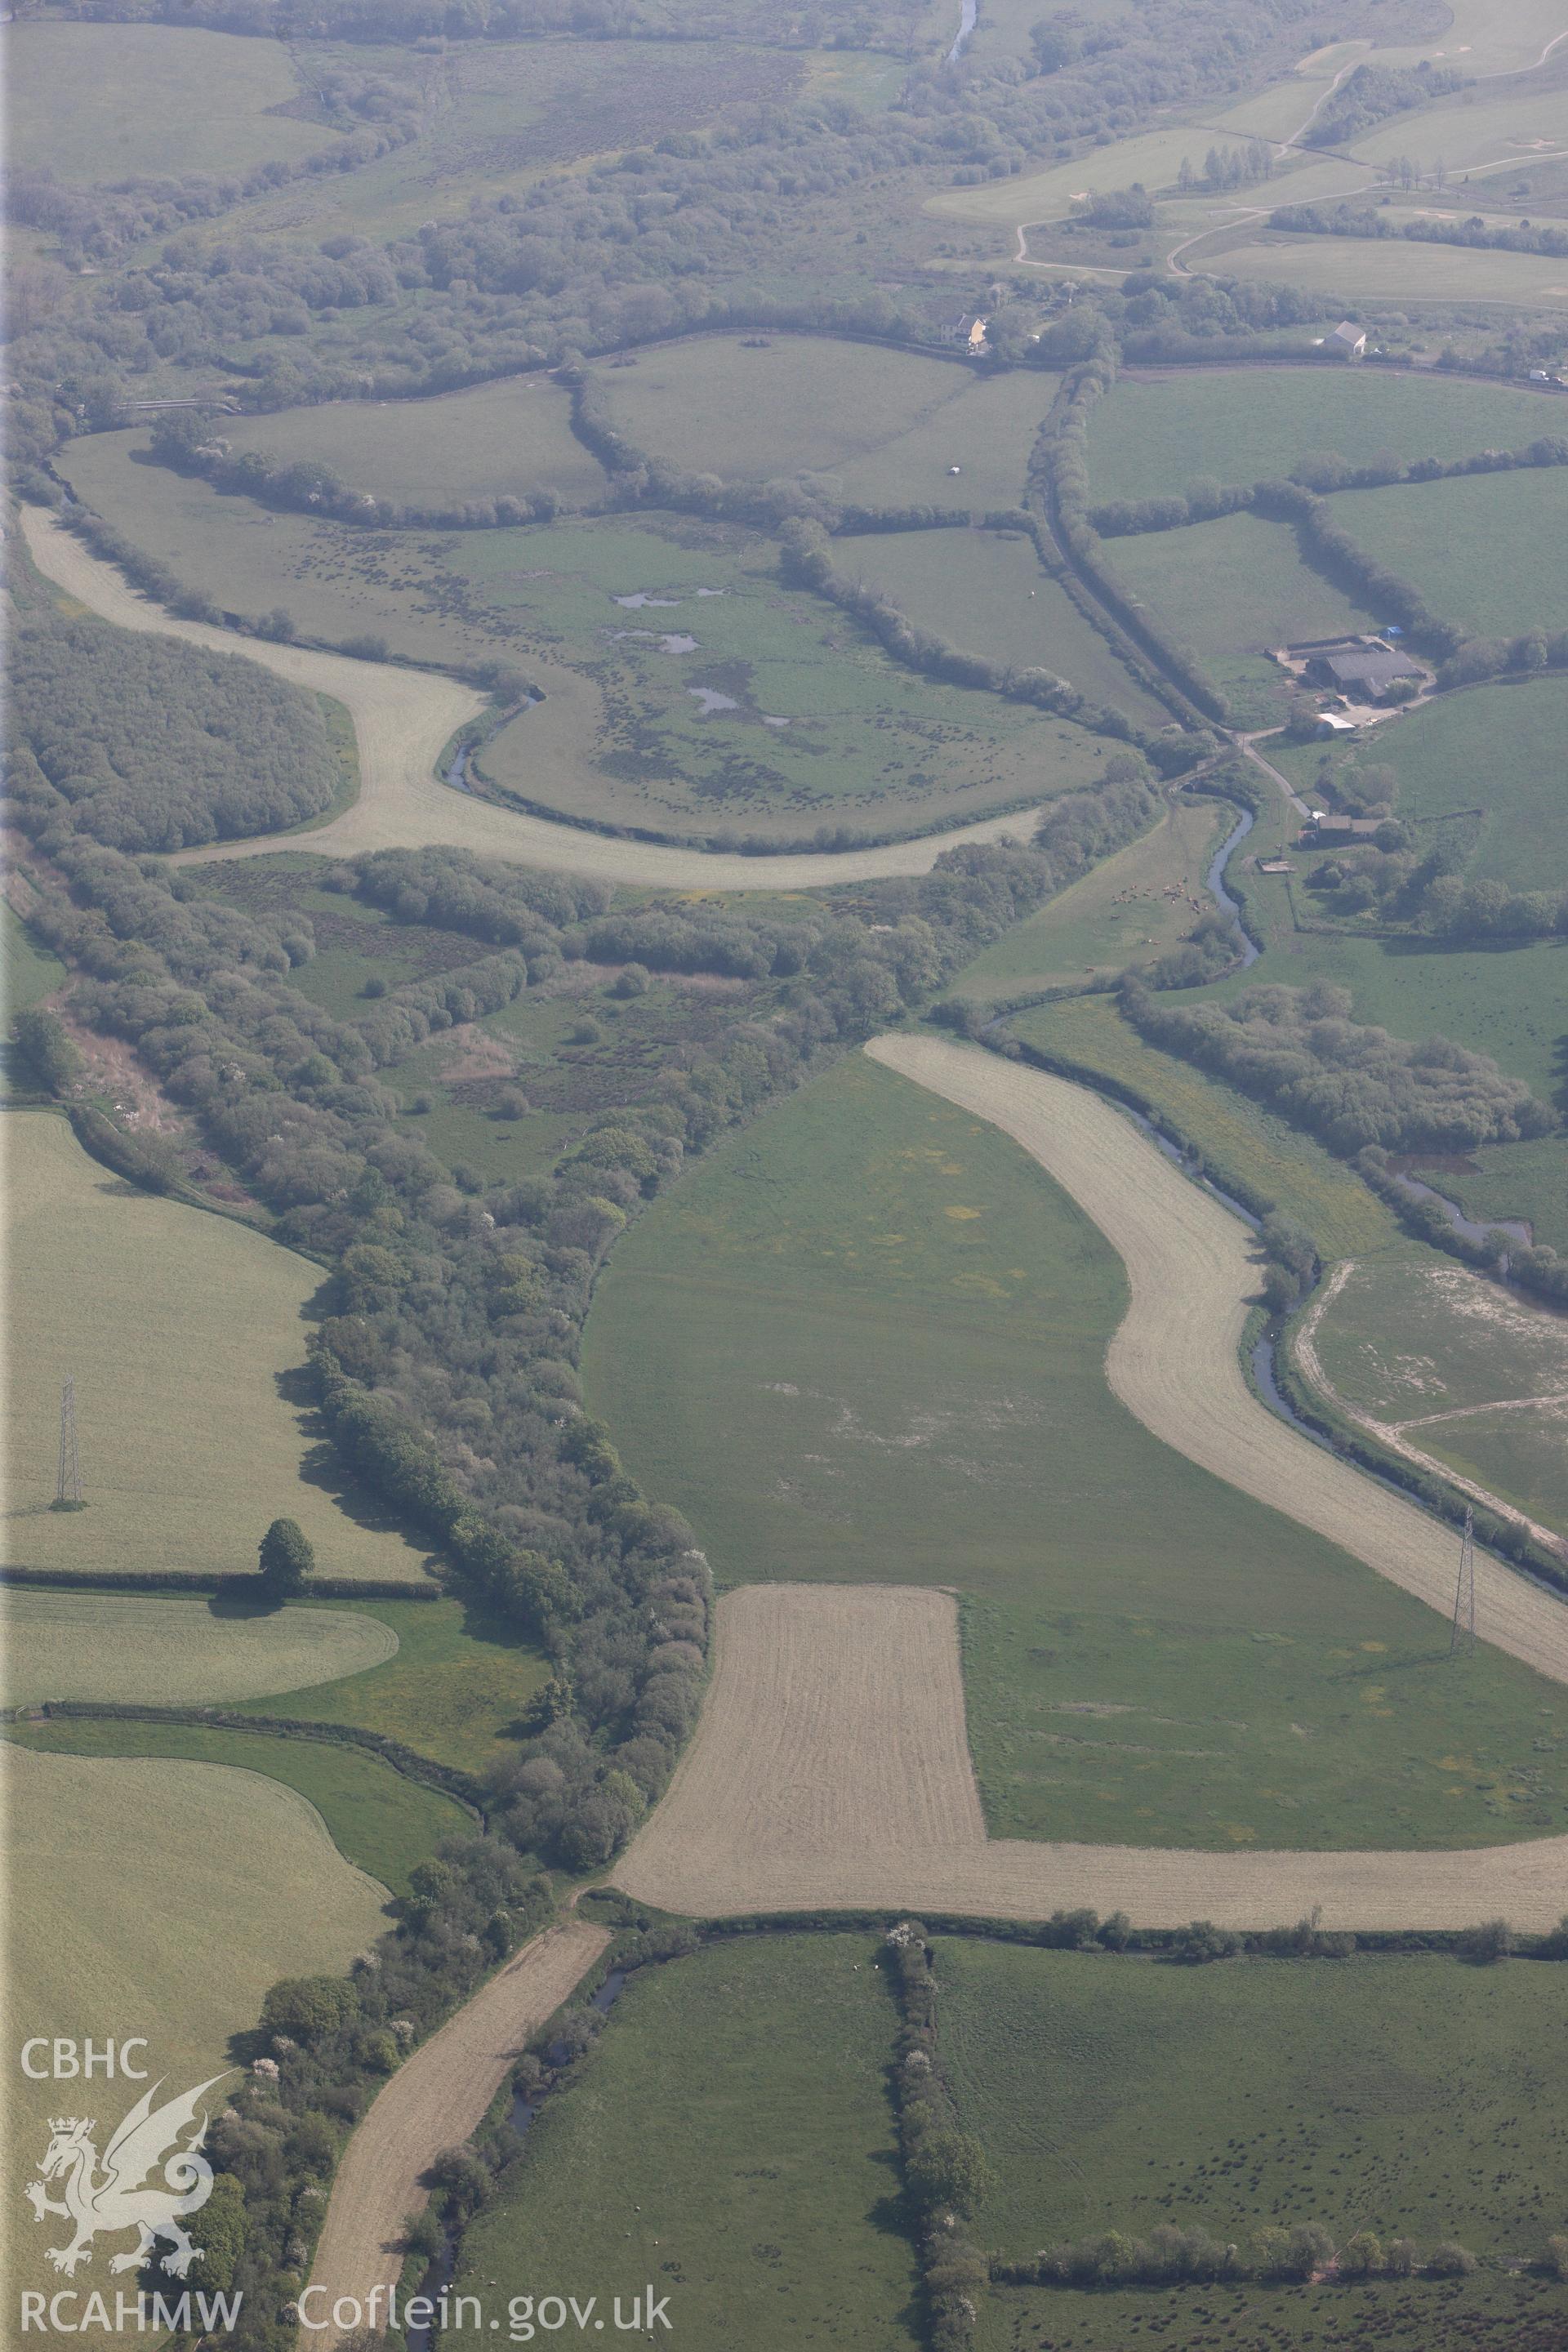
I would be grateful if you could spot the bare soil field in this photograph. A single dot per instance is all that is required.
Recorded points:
(403, 717)
(1193, 1268)
(434, 2101)
(830, 1771)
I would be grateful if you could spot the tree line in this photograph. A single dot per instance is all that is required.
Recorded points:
(1351, 1084)
(1357, 220)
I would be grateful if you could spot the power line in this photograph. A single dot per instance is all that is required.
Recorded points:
(1462, 1638)
(68, 1480)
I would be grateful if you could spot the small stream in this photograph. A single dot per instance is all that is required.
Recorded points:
(965, 26)
(444, 2263)
(1514, 1227)
(1214, 879)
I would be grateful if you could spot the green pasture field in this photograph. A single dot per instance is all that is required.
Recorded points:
(1407, 1337)
(1159, 429)
(1484, 550)
(988, 431)
(103, 102)
(379, 1820)
(28, 972)
(503, 438)
(157, 1649)
(1519, 1179)
(988, 592)
(31, 970)
(1125, 910)
(1511, 1001)
(621, 737)
(822, 726)
(731, 2138)
(1457, 1362)
(181, 1330)
(1232, 590)
(1234, 1133)
(456, 1690)
(1382, 2092)
(1367, 269)
(1520, 1455)
(1485, 124)
(1495, 749)
(336, 580)
(766, 407)
(170, 1896)
(1411, 2096)
(870, 1310)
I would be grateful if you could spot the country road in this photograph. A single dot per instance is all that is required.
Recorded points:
(434, 2099)
(402, 718)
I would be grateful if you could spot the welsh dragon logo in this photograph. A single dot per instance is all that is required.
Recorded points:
(121, 2196)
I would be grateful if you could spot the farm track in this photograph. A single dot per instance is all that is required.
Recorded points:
(1175, 1359)
(437, 2099)
(831, 1771)
(401, 718)
(1395, 1435)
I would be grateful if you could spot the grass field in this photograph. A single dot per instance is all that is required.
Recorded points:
(164, 1652)
(380, 1820)
(1495, 749)
(103, 102)
(627, 732)
(885, 425)
(159, 1898)
(179, 1329)
(1156, 431)
(753, 704)
(1232, 590)
(1468, 1370)
(1411, 2098)
(1511, 1003)
(507, 437)
(31, 970)
(766, 2201)
(1125, 910)
(1408, 1338)
(986, 592)
(906, 1323)
(1483, 550)
(1532, 1177)
(1518, 1456)
(1235, 1134)
(989, 430)
(454, 1691)
(28, 972)
(1358, 268)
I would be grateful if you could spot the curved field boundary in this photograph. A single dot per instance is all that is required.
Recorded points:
(433, 2101)
(1175, 1359)
(830, 1772)
(1395, 1434)
(403, 717)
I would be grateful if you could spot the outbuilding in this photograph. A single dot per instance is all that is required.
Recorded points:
(1350, 339)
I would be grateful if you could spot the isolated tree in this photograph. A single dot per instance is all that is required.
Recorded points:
(287, 1558)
